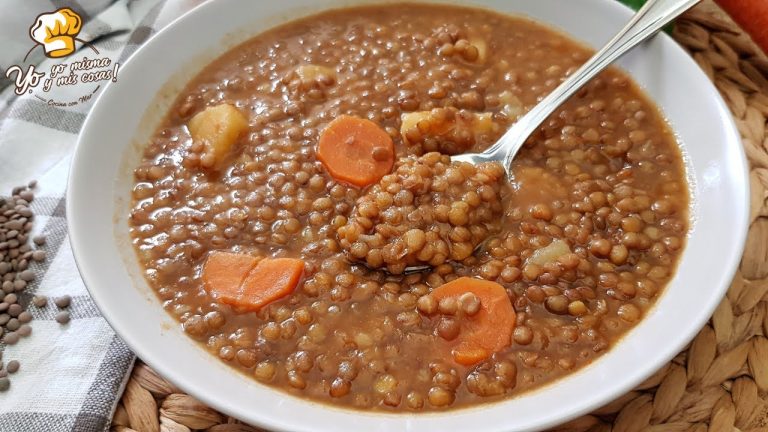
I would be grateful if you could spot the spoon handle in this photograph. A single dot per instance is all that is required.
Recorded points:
(653, 16)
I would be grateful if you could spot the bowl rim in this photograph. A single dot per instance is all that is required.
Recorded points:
(184, 383)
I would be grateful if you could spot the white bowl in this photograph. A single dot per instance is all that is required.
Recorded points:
(127, 112)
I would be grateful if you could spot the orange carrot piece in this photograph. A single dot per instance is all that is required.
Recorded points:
(356, 151)
(490, 329)
(224, 272)
(470, 356)
(752, 16)
(271, 279)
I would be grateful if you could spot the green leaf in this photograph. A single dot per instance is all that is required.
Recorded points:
(634, 4)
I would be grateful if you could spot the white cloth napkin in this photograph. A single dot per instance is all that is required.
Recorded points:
(71, 376)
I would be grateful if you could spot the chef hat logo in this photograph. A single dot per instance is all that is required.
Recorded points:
(56, 32)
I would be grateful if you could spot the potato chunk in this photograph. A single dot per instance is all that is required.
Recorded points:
(549, 253)
(310, 81)
(315, 76)
(448, 130)
(511, 106)
(217, 128)
(482, 48)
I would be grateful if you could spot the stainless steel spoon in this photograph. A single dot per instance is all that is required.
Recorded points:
(651, 18)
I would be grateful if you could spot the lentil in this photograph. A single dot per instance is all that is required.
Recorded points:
(62, 317)
(39, 301)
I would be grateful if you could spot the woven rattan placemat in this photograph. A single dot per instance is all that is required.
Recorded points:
(718, 384)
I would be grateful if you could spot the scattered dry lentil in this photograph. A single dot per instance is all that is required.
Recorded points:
(62, 317)
(25, 330)
(63, 302)
(16, 255)
(40, 301)
(11, 338)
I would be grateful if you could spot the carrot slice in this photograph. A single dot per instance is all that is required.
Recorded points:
(487, 331)
(470, 356)
(271, 279)
(752, 16)
(224, 272)
(356, 151)
(246, 283)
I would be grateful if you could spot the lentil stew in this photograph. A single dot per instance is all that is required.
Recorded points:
(296, 180)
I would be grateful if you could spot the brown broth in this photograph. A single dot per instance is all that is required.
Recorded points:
(603, 176)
